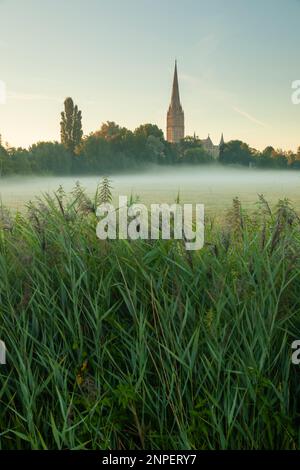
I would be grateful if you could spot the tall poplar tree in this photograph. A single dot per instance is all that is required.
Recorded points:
(71, 125)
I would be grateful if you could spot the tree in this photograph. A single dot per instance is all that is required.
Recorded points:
(50, 157)
(236, 152)
(149, 144)
(20, 161)
(147, 130)
(295, 163)
(269, 152)
(264, 159)
(280, 159)
(111, 131)
(196, 155)
(154, 149)
(71, 125)
(5, 162)
(190, 142)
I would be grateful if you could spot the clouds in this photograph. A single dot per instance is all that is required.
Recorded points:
(249, 117)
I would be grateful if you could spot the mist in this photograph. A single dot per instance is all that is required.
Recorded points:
(213, 186)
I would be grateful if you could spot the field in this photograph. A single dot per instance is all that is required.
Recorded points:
(143, 345)
(215, 187)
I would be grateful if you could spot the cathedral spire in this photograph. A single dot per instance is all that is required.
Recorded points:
(222, 140)
(175, 100)
(175, 116)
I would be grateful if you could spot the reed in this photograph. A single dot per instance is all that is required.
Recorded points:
(134, 345)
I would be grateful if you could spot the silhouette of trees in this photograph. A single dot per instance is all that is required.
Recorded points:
(71, 125)
(114, 148)
(236, 152)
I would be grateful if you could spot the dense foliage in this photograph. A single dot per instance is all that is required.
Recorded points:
(113, 148)
(132, 345)
(71, 125)
(237, 152)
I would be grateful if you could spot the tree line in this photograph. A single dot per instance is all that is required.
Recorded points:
(236, 152)
(114, 148)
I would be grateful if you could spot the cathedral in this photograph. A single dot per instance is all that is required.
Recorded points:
(175, 122)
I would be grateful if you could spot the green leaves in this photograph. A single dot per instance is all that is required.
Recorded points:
(71, 125)
(129, 345)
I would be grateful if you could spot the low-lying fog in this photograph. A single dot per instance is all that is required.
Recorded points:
(213, 186)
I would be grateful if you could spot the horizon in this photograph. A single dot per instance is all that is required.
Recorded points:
(238, 85)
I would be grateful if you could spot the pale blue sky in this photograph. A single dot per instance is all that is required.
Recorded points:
(236, 59)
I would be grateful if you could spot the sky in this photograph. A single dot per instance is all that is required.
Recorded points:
(237, 60)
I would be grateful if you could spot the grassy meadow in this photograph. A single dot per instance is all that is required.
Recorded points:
(214, 186)
(143, 345)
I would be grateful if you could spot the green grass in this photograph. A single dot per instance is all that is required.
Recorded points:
(133, 345)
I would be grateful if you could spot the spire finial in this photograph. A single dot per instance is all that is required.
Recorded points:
(175, 101)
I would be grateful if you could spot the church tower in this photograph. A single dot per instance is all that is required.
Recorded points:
(175, 116)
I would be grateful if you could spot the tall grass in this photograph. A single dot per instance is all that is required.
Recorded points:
(134, 345)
